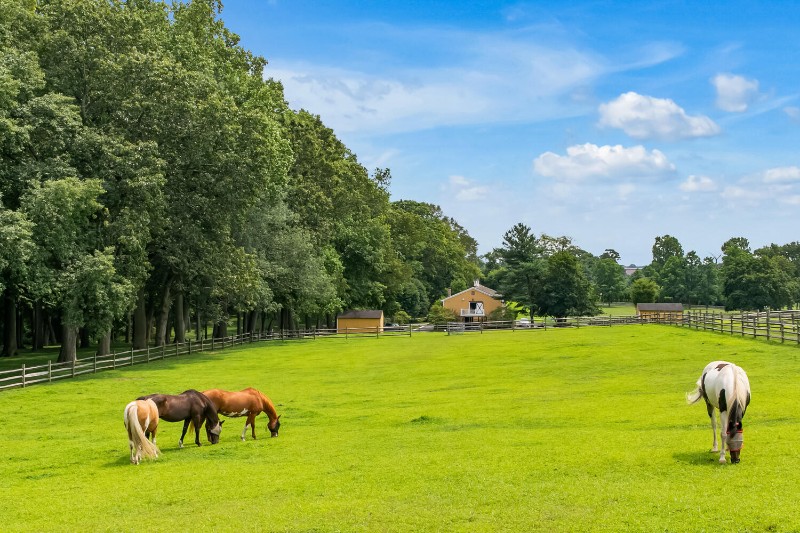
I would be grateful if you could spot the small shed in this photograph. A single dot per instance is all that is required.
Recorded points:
(360, 321)
(664, 311)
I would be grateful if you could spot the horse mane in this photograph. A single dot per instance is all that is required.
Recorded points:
(266, 403)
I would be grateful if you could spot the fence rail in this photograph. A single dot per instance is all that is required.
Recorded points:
(774, 326)
(28, 375)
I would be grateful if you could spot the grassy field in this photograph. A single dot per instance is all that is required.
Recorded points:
(557, 430)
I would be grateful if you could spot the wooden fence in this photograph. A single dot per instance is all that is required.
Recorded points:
(775, 326)
(28, 375)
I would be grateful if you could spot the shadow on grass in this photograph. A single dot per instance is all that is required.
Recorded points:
(125, 459)
(699, 458)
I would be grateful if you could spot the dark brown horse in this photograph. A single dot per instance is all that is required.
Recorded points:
(188, 406)
(249, 402)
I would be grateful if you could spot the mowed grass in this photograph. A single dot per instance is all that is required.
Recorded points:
(557, 430)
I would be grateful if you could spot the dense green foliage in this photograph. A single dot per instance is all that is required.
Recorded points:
(152, 181)
(559, 430)
(151, 178)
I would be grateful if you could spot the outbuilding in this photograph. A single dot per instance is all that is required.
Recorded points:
(473, 304)
(360, 321)
(663, 311)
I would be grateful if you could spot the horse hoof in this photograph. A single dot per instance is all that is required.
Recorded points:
(722, 461)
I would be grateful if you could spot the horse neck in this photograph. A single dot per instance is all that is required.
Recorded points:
(268, 407)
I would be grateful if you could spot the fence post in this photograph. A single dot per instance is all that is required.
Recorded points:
(163, 351)
(114, 358)
(73, 366)
(94, 369)
(769, 326)
(23, 375)
(49, 371)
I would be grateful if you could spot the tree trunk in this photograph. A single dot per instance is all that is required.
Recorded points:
(187, 318)
(10, 346)
(84, 336)
(37, 325)
(104, 346)
(140, 323)
(69, 341)
(180, 325)
(163, 316)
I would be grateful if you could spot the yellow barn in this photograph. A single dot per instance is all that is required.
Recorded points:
(473, 304)
(360, 321)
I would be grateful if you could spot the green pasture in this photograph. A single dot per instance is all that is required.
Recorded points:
(558, 430)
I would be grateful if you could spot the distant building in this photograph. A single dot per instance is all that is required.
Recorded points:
(630, 270)
(360, 321)
(660, 311)
(473, 304)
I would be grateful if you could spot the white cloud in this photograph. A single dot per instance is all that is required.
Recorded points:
(793, 112)
(734, 93)
(471, 78)
(698, 184)
(781, 175)
(465, 190)
(645, 117)
(592, 161)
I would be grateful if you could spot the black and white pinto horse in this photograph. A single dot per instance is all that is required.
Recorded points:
(725, 387)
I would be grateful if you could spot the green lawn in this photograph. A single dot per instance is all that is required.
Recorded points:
(559, 430)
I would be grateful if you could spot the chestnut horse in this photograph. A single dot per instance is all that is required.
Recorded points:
(189, 406)
(141, 416)
(248, 402)
(725, 387)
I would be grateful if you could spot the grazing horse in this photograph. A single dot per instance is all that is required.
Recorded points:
(724, 386)
(189, 406)
(248, 402)
(141, 416)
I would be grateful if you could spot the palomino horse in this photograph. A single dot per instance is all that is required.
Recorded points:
(248, 402)
(141, 416)
(189, 406)
(724, 386)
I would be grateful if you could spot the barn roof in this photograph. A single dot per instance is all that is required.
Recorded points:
(659, 307)
(362, 313)
(480, 288)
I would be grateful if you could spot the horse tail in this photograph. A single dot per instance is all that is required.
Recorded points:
(696, 394)
(135, 431)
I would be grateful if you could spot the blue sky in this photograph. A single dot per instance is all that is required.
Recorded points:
(609, 122)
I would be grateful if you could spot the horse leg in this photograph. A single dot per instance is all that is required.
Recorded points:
(713, 419)
(723, 427)
(251, 421)
(185, 429)
(198, 421)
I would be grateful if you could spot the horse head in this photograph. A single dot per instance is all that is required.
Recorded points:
(274, 430)
(212, 432)
(735, 434)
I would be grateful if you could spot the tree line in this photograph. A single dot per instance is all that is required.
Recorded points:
(550, 276)
(153, 181)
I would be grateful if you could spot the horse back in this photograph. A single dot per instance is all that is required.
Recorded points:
(233, 403)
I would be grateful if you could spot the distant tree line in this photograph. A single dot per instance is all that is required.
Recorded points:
(152, 181)
(549, 276)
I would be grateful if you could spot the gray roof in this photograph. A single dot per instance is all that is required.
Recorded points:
(659, 307)
(362, 313)
(480, 288)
